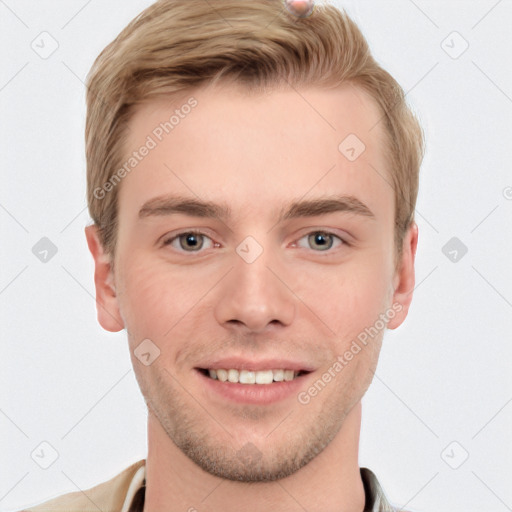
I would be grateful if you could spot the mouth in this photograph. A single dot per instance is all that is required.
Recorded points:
(258, 382)
(250, 377)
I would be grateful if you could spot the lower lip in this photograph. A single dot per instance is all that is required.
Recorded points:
(260, 394)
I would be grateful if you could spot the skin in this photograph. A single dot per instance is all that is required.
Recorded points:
(255, 153)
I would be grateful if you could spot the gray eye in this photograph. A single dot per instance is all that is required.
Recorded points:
(189, 241)
(320, 241)
(192, 241)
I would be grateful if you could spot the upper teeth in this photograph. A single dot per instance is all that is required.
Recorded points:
(249, 377)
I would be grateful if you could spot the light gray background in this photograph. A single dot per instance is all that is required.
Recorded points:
(443, 376)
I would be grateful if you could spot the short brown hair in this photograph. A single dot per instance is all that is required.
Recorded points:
(175, 45)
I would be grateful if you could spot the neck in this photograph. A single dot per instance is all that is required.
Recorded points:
(331, 481)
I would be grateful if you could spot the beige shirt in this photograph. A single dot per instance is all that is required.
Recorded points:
(125, 493)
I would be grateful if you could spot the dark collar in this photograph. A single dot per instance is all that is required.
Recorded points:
(375, 500)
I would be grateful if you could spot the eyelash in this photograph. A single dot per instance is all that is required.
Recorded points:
(201, 233)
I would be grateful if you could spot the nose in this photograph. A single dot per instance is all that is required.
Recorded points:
(253, 297)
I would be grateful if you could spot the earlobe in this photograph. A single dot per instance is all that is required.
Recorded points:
(107, 305)
(404, 279)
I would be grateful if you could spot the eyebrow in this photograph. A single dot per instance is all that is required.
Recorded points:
(168, 205)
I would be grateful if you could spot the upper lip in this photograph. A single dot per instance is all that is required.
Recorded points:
(256, 365)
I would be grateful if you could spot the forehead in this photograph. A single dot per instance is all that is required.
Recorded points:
(227, 145)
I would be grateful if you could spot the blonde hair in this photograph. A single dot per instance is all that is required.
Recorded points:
(175, 45)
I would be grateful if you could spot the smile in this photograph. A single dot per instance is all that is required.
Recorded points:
(252, 377)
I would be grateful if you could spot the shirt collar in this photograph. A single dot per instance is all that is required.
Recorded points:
(134, 501)
(375, 499)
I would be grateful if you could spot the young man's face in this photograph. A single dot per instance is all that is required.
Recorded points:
(253, 290)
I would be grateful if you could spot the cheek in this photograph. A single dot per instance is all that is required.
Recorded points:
(145, 299)
(158, 300)
(347, 298)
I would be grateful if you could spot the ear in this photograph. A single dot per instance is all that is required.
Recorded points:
(107, 306)
(404, 279)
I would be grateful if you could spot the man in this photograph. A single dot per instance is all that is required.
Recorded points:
(264, 135)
